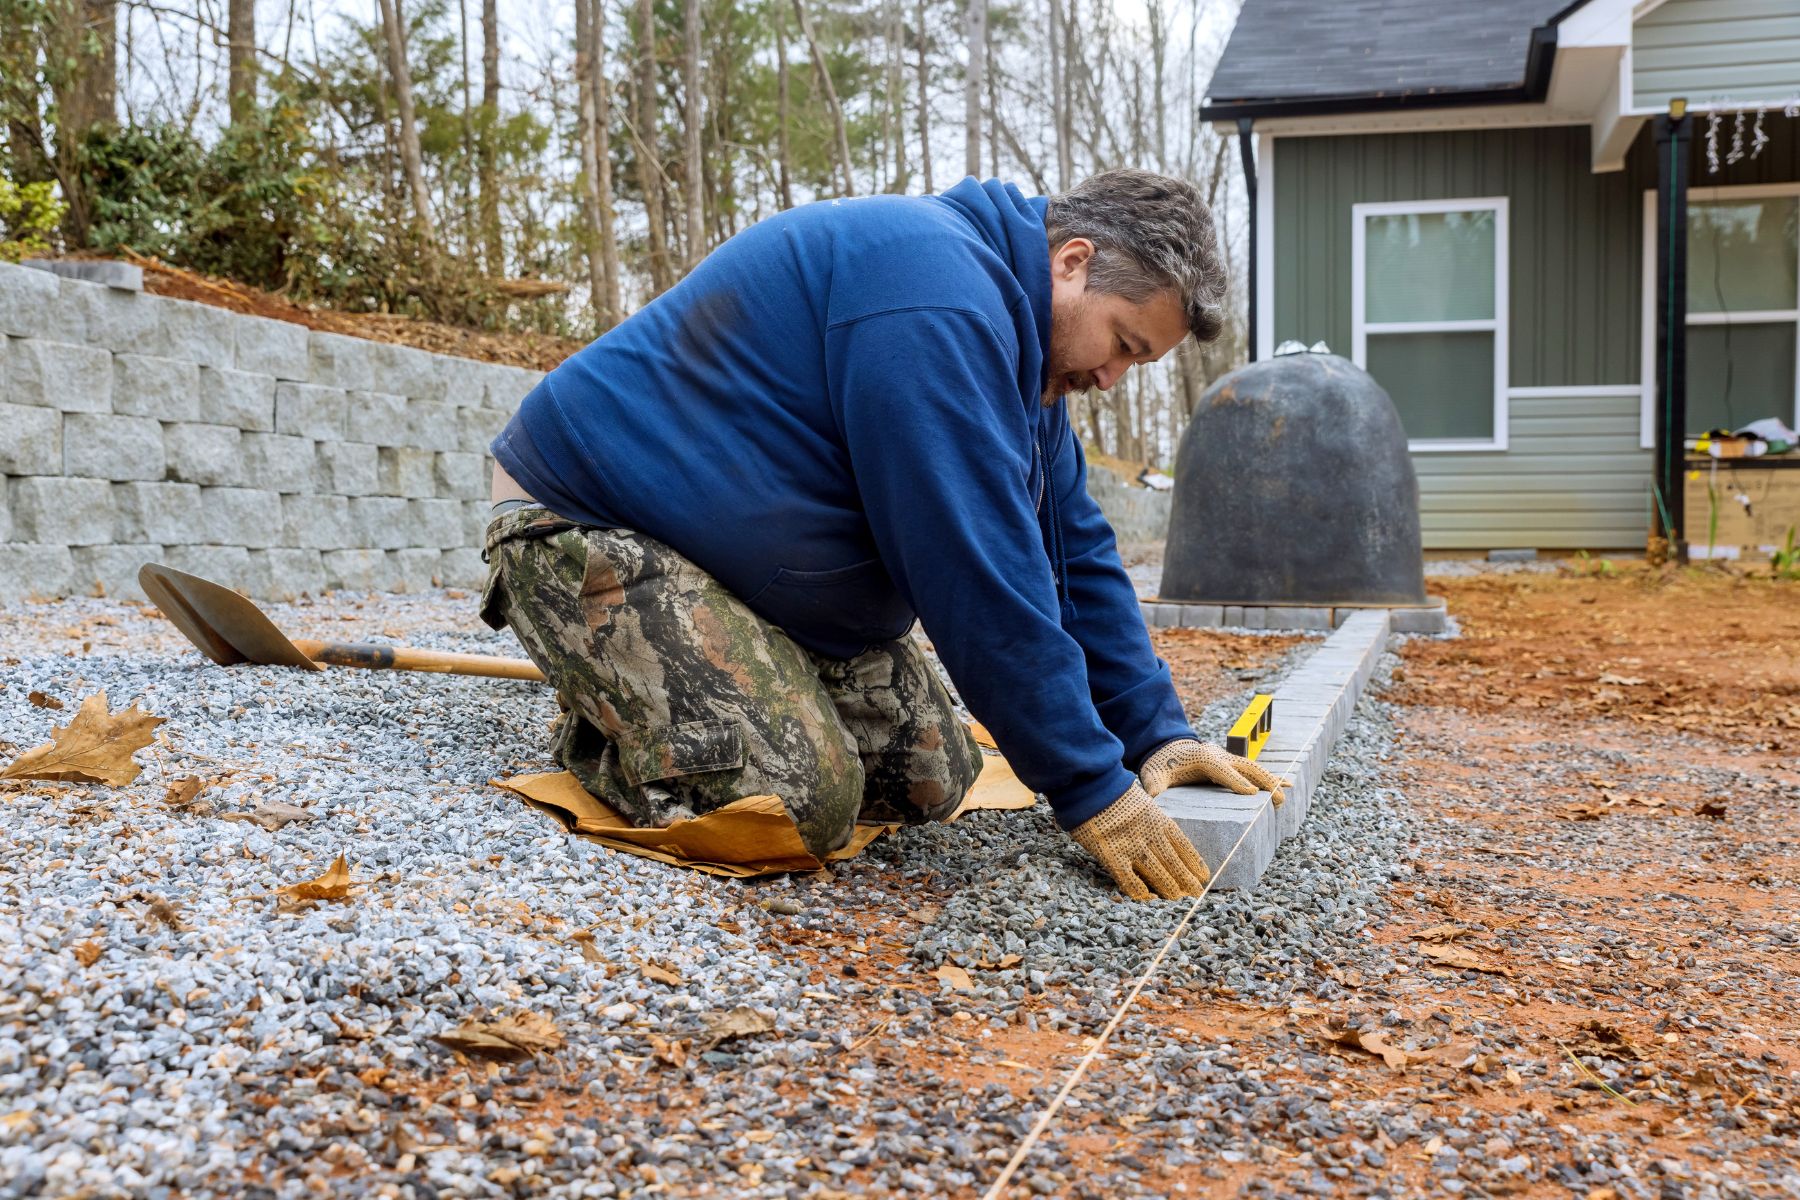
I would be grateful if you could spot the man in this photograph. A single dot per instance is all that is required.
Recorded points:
(716, 524)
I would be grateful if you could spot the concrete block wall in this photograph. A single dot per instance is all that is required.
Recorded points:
(1137, 514)
(261, 454)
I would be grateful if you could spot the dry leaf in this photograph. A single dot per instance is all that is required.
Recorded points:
(956, 977)
(183, 792)
(585, 942)
(1606, 1041)
(271, 814)
(660, 974)
(1711, 808)
(87, 953)
(739, 1022)
(1621, 680)
(334, 884)
(1370, 1041)
(1002, 963)
(160, 909)
(1442, 933)
(507, 1040)
(41, 700)
(94, 747)
(1462, 959)
(673, 1052)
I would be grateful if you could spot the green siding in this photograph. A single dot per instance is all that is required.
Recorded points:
(1716, 50)
(1574, 478)
(1575, 239)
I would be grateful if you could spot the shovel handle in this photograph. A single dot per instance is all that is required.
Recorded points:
(408, 658)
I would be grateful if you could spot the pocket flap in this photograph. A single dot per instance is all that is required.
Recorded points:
(688, 748)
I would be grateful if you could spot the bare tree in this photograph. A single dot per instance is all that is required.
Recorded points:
(591, 85)
(831, 96)
(490, 136)
(648, 158)
(412, 159)
(972, 86)
(241, 60)
(924, 98)
(784, 155)
(1059, 97)
(690, 113)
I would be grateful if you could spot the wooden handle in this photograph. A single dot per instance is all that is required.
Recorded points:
(410, 658)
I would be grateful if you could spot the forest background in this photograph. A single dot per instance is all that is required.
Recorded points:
(550, 165)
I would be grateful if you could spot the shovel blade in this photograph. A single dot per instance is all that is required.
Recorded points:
(225, 626)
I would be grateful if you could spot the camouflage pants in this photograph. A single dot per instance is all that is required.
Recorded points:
(678, 699)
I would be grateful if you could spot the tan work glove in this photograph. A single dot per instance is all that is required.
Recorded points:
(1139, 845)
(1188, 761)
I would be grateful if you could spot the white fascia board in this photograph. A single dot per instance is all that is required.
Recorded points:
(1613, 130)
(1597, 23)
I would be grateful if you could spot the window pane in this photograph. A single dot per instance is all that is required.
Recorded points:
(1738, 374)
(1741, 254)
(1430, 266)
(1442, 383)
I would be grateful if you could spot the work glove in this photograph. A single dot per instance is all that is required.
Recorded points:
(1141, 848)
(1188, 761)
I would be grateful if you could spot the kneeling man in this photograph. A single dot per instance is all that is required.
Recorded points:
(716, 525)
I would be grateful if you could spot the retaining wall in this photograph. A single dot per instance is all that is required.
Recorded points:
(1138, 514)
(255, 452)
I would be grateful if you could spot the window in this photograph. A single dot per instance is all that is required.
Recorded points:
(1428, 316)
(1743, 308)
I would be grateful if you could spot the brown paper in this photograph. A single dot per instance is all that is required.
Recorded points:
(749, 837)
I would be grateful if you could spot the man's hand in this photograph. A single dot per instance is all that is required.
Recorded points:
(1139, 845)
(1188, 761)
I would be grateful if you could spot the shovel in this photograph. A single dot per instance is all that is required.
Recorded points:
(230, 629)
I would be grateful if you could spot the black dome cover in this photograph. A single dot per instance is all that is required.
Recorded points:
(1293, 486)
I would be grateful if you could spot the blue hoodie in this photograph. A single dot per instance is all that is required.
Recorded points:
(838, 415)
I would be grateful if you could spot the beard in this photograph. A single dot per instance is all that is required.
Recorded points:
(1060, 377)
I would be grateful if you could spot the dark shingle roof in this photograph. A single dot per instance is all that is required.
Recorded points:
(1299, 53)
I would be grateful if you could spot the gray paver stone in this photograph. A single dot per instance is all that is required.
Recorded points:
(200, 333)
(227, 565)
(147, 386)
(1221, 824)
(476, 428)
(358, 570)
(379, 419)
(207, 454)
(507, 386)
(113, 569)
(127, 322)
(349, 468)
(381, 522)
(163, 513)
(433, 424)
(414, 570)
(408, 472)
(110, 272)
(462, 568)
(29, 571)
(28, 301)
(1234, 616)
(1298, 617)
(282, 573)
(406, 371)
(105, 446)
(317, 523)
(436, 524)
(1417, 620)
(1202, 616)
(310, 411)
(32, 443)
(59, 375)
(242, 399)
(59, 511)
(476, 515)
(461, 476)
(235, 516)
(277, 348)
(279, 463)
(341, 361)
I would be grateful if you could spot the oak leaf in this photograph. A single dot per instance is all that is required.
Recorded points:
(270, 814)
(506, 1040)
(183, 792)
(956, 977)
(1452, 955)
(1369, 1041)
(42, 700)
(88, 953)
(334, 884)
(94, 747)
(741, 1021)
(660, 974)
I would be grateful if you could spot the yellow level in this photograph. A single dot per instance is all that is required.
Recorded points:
(1251, 730)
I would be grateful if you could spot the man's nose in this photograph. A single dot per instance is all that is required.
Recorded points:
(1108, 374)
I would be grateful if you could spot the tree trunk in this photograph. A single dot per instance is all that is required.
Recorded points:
(241, 60)
(468, 124)
(394, 31)
(589, 121)
(648, 155)
(924, 100)
(690, 113)
(993, 110)
(490, 135)
(973, 79)
(831, 96)
(613, 312)
(783, 155)
(1059, 98)
(85, 36)
(896, 95)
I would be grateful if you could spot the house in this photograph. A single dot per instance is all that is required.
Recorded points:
(1562, 235)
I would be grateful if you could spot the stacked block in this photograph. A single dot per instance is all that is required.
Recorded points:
(265, 455)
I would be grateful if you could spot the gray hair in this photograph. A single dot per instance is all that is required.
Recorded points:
(1151, 234)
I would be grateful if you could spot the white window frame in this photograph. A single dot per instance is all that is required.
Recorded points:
(1498, 325)
(1647, 361)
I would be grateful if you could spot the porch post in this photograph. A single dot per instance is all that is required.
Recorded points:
(1673, 141)
(1249, 162)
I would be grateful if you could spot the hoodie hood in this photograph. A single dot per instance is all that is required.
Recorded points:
(1012, 224)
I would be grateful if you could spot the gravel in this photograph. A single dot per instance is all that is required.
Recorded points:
(247, 1049)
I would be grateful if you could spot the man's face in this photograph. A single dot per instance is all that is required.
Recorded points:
(1094, 337)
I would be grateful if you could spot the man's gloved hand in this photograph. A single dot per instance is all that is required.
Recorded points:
(1188, 761)
(1139, 845)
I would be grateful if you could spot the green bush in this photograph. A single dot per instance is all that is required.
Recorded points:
(29, 216)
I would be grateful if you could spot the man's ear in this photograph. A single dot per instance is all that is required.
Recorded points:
(1069, 261)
